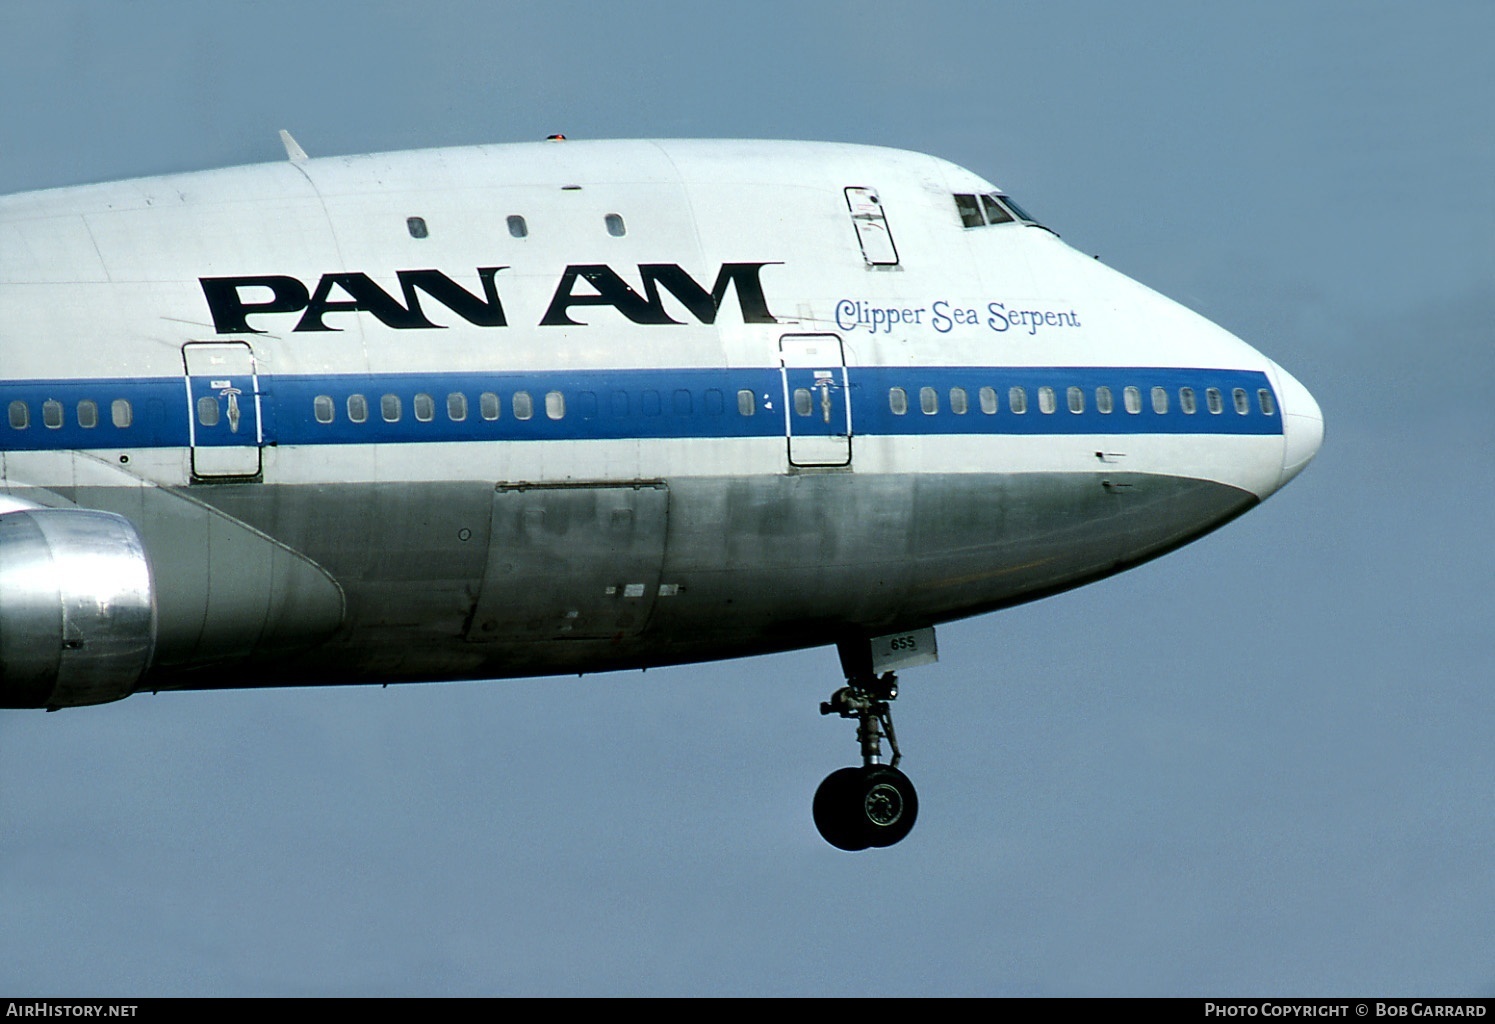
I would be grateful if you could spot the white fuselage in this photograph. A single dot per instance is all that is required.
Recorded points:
(575, 406)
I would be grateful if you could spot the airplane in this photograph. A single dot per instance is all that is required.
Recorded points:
(576, 406)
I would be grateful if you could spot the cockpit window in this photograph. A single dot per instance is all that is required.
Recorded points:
(991, 208)
(1022, 215)
(994, 212)
(970, 212)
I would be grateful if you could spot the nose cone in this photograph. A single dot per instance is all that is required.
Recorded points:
(1302, 425)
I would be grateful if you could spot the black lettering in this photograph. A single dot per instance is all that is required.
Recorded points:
(361, 295)
(484, 312)
(702, 305)
(648, 308)
(231, 313)
(612, 290)
(366, 297)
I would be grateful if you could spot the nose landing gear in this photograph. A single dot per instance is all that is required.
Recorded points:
(874, 805)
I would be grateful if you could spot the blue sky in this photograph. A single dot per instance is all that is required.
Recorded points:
(1260, 765)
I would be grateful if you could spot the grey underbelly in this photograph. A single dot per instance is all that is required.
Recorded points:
(473, 580)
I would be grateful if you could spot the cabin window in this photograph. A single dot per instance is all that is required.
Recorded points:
(649, 403)
(456, 407)
(1186, 401)
(390, 408)
(358, 408)
(746, 406)
(517, 227)
(1017, 400)
(1214, 401)
(1242, 403)
(994, 212)
(1159, 400)
(555, 405)
(586, 405)
(970, 212)
(898, 401)
(20, 416)
(1076, 397)
(417, 227)
(88, 414)
(488, 406)
(322, 408)
(524, 405)
(1046, 403)
(615, 226)
(619, 402)
(684, 404)
(207, 410)
(52, 414)
(425, 407)
(1133, 399)
(1103, 401)
(715, 403)
(1268, 406)
(988, 398)
(802, 403)
(929, 401)
(958, 403)
(121, 413)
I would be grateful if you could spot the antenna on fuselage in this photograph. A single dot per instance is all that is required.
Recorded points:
(293, 148)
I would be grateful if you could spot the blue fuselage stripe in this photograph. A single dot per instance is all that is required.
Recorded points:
(628, 404)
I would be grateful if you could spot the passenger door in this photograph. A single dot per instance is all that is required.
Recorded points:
(817, 400)
(223, 396)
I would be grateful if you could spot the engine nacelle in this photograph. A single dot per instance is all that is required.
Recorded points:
(77, 608)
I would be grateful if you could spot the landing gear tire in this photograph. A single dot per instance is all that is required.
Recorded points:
(837, 811)
(874, 805)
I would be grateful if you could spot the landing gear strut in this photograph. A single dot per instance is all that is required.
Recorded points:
(874, 805)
